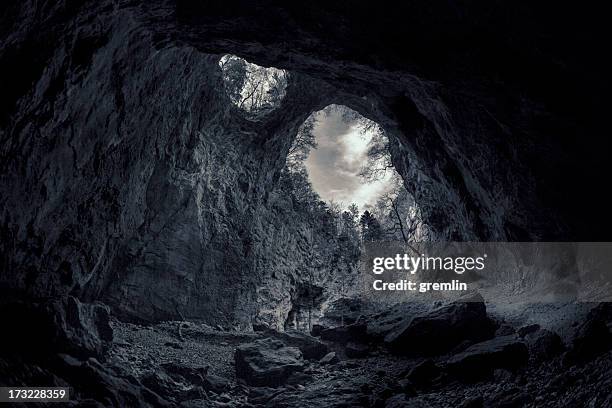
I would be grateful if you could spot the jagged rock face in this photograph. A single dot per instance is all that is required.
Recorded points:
(145, 187)
(128, 176)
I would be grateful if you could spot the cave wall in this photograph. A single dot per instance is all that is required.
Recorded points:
(303, 261)
(502, 104)
(128, 177)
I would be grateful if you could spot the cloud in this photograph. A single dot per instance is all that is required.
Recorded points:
(333, 167)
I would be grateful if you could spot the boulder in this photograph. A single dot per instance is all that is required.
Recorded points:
(63, 325)
(267, 362)
(479, 361)
(356, 350)
(163, 385)
(329, 358)
(190, 374)
(544, 344)
(592, 337)
(196, 375)
(441, 329)
(263, 395)
(525, 330)
(215, 383)
(344, 334)
(82, 329)
(381, 324)
(311, 348)
(90, 379)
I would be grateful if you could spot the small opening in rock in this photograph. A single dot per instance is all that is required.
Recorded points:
(254, 89)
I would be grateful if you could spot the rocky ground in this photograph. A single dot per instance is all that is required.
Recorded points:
(412, 355)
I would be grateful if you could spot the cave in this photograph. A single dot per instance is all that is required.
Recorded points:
(148, 207)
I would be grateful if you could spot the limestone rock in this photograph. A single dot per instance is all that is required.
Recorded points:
(65, 325)
(91, 380)
(544, 344)
(329, 358)
(593, 337)
(442, 329)
(479, 360)
(267, 362)
(215, 383)
(311, 348)
(344, 334)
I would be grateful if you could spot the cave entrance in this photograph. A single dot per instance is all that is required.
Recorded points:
(343, 194)
(345, 161)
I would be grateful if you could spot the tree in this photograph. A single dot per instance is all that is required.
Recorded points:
(298, 187)
(401, 218)
(347, 220)
(303, 143)
(354, 210)
(378, 161)
(371, 229)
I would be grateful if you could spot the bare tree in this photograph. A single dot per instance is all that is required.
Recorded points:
(303, 143)
(402, 218)
(378, 159)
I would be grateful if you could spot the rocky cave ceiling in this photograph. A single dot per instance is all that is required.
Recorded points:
(450, 77)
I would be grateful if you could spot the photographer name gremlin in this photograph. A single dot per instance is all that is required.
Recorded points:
(412, 264)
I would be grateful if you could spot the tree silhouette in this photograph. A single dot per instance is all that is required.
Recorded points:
(371, 229)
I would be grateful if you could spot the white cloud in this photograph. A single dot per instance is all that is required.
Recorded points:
(334, 166)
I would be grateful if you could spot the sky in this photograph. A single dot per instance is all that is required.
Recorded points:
(333, 167)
